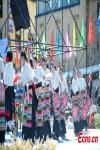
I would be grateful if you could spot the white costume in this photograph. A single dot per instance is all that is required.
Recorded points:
(63, 86)
(55, 81)
(1, 66)
(27, 74)
(78, 84)
(9, 73)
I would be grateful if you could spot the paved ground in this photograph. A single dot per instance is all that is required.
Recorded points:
(72, 141)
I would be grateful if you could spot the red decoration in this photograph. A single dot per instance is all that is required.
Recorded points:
(16, 78)
(16, 59)
(52, 51)
(91, 32)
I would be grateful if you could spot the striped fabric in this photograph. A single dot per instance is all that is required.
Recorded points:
(2, 118)
(40, 108)
(81, 107)
(27, 112)
(63, 106)
(1, 91)
(2, 108)
(46, 113)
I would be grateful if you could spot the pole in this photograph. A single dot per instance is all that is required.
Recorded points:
(62, 36)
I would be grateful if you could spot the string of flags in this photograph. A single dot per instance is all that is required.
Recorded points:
(68, 50)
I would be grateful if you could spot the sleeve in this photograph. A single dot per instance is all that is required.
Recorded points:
(84, 83)
(59, 86)
(1, 66)
(73, 86)
(36, 74)
(66, 86)
(30, 72)
(57, 77)
(9, 74)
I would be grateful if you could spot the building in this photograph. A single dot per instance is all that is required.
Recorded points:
(3, 16)
(57, 14)
(7, 20)
(21, 37)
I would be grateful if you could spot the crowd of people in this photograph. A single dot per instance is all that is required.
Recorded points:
(46, 94)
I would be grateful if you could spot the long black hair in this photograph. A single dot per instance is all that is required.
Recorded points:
(23, 54)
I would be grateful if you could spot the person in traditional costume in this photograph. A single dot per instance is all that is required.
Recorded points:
(64, 96)
(54, 85)
(26, 78)
(75, 103)
(80, 101)
(47, 104)
(86, 100)
(39, 82)
(2, 104)
(9, 74)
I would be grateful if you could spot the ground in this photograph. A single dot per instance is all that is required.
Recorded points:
(72, 141)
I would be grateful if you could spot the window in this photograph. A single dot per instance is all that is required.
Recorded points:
(54, 5)
(63, 3)
(1, 8)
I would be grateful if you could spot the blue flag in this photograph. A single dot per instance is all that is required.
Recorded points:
(98, 24)
(3, 47)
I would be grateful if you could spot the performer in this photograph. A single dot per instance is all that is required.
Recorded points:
(38, 79)
(27, 80)
(55, 82)
(81, 102)
(2, 104)
(75, 102)
(9, 74)
(64, 94)
(47, 104)
(86, 101)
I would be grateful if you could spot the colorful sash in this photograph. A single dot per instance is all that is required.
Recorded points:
(64, 102)
(75, 113)
(56, 100)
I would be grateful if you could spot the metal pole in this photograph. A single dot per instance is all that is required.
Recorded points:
(45, 23)
(36, 28)
(62, 35)
(87, 18)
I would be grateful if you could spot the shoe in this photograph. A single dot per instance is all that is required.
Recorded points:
(59, 141)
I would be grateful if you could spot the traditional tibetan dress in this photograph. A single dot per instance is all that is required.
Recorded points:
(26, 80)
(38, 77)
(63, 104)
(56, 103)
(47, 106)
(81, 103)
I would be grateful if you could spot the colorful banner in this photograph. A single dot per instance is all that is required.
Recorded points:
(91, 32)
(67, 50)
(82, 34)
(3, 47)
(74, 38)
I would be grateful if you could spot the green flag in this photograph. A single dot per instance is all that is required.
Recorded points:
(82, 35)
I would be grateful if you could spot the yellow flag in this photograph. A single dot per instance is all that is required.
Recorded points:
(74, 38)
(36, 50)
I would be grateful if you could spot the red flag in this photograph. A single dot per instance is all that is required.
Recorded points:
(91, 31)
(16, 59)
(52, 51)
